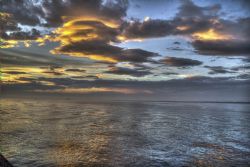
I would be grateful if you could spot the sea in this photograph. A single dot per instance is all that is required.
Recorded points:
(76, 133)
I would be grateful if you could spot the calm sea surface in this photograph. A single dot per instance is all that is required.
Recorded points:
(52, 133)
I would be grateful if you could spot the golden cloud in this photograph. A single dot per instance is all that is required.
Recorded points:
(83, 29)
(211, 35)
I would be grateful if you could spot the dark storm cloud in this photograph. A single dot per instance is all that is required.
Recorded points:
(222, 47)
(180, 62)
(128, 71)
(218, 70)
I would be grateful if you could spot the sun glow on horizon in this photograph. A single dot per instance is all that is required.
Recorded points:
(97, 90)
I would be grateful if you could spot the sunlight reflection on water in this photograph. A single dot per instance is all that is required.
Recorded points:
(49, 133)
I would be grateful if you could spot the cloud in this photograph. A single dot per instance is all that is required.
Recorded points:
(93, 39)
(241, 67)
(7, 24)
(136, 55)
(170, 73)
(10, 33)
(20, 35)
(25, 12)
(246, 60)
(196, 88)
(189, 9)
(128, 71)
(113, 11)
(190, 19)
(102, 51)
(53, 73)
(180, 62)
(223, 47)
(207, 31)
(244, 76)
(218, 70)
(80, 29)
(14, 72)
(234, 41)
(96, 50)
(176, 48)
(176, 43)
(147, 29)
(75, 70)
(99, 24)
(51, 13)
(47, 13)
(87, 77)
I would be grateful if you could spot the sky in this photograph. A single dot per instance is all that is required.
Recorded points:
(126, 49)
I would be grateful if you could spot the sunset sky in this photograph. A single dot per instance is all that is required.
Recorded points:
(162, 49)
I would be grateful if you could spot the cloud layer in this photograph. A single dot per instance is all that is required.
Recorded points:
(75, 41)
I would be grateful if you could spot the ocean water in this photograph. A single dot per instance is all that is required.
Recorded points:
(36, 133)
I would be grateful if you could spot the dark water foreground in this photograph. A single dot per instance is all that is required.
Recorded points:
(71, 134)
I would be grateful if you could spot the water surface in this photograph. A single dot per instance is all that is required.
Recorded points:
(35, 133)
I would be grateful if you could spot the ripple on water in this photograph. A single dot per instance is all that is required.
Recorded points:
(48, 133)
